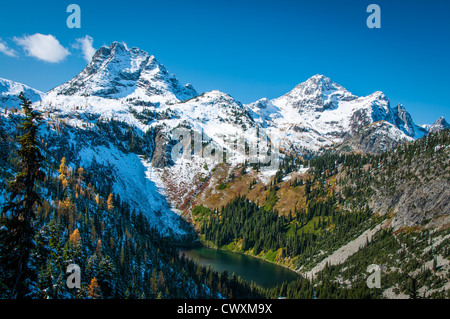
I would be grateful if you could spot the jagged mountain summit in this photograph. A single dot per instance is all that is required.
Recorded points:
(318, 93)
(120, 72)
(439, 125)
(10, 90)
(319, 113)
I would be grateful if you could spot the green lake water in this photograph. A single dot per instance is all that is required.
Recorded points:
(263, 273)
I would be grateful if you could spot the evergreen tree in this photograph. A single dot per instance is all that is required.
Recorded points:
(106, 277)
(19, 212)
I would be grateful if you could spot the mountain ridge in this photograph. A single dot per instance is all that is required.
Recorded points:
(10, 90)
(317, 113)
(331, 111)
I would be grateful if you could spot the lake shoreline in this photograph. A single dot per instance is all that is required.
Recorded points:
(205, 244)
(220, 262)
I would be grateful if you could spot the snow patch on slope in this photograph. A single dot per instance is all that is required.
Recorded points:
(133, 184)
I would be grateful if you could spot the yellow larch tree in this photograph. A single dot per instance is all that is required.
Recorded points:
(110, 202)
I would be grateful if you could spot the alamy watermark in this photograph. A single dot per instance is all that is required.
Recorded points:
(374, 280)
(374, 20)
(74, 280)
(262, 149)
(74, 19)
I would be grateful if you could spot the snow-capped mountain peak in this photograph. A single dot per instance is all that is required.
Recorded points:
(10, 90)
(318, 93)
(122, 73)
(439, 125)
(320, 113)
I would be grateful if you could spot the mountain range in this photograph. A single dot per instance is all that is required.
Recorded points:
(316, 114)
(129, 85)
(120, 119)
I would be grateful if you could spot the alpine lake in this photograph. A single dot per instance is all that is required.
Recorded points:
(249, 268)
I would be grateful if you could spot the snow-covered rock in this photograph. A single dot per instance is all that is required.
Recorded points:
(439, 125)
(121, 73)
(320, 113)
(10, 90)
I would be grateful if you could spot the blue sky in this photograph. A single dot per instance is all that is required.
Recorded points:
(251, 48)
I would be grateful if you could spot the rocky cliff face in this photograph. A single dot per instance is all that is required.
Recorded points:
(317, 94)
(404, 122)
(409, 183)
(161, 156)
(373, 138)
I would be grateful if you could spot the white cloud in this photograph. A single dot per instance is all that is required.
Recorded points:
(85, 45)
(43, 47)
(6, 50)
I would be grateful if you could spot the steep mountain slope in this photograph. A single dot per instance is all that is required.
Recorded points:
(101, 119)
(130, 86)
(85, 219)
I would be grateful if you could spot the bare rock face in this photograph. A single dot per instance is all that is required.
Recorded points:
(416, 203)
(373, 138)
(319, 113)
(161, 155)
(416, 187)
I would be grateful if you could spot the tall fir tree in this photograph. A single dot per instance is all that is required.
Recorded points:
(19, 212)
